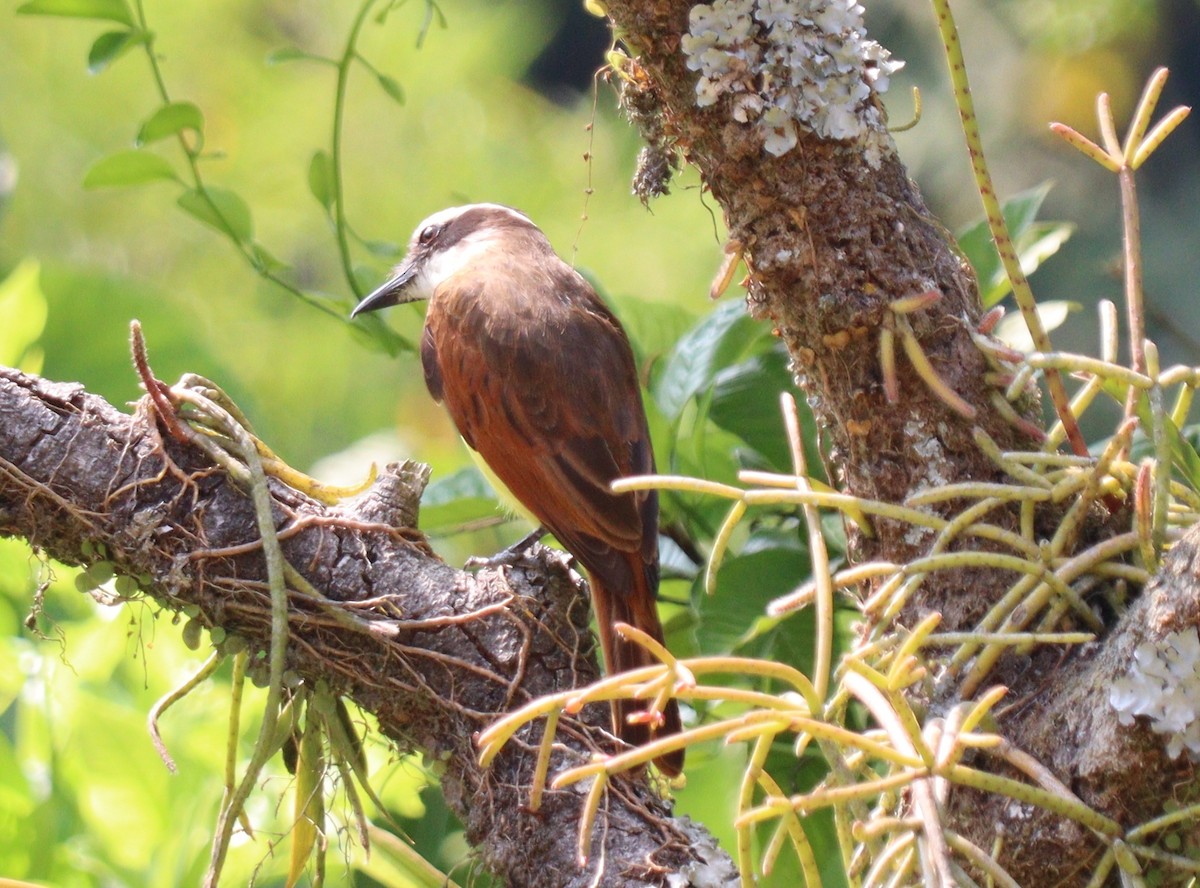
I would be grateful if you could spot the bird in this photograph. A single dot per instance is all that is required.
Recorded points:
(540, 379)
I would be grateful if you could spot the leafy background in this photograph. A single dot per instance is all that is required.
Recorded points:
(491, 106)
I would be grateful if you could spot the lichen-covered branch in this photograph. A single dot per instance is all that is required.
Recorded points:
(882, 320)
(436, 654)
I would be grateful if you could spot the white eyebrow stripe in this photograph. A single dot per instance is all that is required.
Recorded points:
(443, 217)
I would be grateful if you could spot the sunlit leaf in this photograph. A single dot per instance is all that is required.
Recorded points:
(698, 355)
(110, 46)
(171, 119)
(653, 327)
(745, 401)
(392, 87)
(321, 180)
(1011, 329)
(127, 168)
(674, 562)
(746, 584)
(222, 209)
(1034, 242)
(112, 10)
(455, 500)
(1041, 241)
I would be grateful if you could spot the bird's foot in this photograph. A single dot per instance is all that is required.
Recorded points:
(517, 553)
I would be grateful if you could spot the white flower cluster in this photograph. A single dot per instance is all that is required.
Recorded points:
(1164, 684)
(790, 62)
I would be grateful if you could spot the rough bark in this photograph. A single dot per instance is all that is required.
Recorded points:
(830, 241)
(75, 472)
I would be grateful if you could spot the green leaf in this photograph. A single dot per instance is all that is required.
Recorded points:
(653, 327)
(797, 776)
(373, 333)
(746, 584)
(745, 401)
(264, 260)
(674, 562)
(1037, 244)
(714, 343)
(1183, 454)
(110, 46)
(1184, 457)
(127, 168)
(1034, 242)
(392, 87)
(707, 452)
(100, 572)
(458, 499)
(222, 209)
(171, 119)
(112, 10)
(321, 179)
(1184, 444)
(976, 241)
(293, 54)
(1012, 330)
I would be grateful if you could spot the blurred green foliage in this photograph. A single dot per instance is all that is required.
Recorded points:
(103, 225)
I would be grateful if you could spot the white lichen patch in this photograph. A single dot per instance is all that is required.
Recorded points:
(930, 453)
(931, 458)
(791, 64)
(1163, 684)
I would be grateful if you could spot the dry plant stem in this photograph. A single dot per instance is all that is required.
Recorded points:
(156, 711)
(935, 855)
(997, 223)
(273, 555)
(818, 554)
(237, 685)
(1131, 255)
(980, 859)
(745, 832)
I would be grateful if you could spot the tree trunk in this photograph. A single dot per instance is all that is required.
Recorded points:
(834, 232)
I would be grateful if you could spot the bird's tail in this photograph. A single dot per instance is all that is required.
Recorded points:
(637, 608)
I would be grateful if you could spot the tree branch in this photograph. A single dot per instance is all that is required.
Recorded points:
(436, 658)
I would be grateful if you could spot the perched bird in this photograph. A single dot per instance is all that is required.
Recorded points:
(540, 380)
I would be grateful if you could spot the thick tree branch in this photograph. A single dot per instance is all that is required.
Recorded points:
(436, 662)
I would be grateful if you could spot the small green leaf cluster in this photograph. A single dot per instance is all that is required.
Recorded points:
(222, 209)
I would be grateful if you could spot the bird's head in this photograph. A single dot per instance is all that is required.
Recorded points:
(444, 244)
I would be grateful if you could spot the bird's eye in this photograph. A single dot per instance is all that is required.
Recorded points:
(428, 233)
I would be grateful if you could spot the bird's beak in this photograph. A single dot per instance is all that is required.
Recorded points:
(393, 291)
